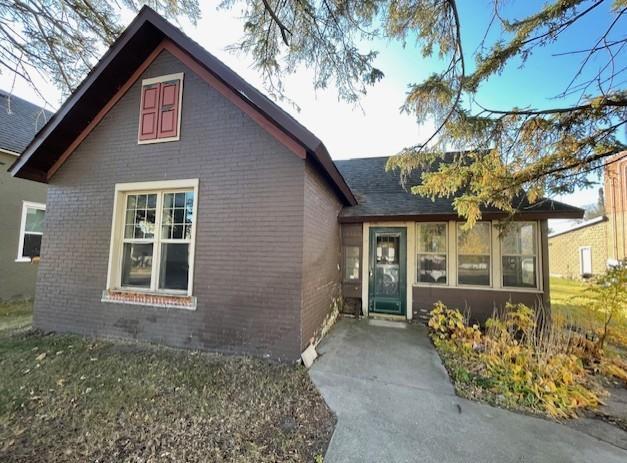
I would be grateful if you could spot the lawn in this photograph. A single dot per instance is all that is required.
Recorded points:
(15, 315)
(68, 399)
(568, 300)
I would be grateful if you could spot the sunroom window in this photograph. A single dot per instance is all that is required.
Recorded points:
(431, 253)
(519, 255)
(154, 251)
(473, 254)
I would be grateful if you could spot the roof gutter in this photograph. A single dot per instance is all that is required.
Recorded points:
(531, 215)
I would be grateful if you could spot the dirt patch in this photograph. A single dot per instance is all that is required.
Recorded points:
(65, 399)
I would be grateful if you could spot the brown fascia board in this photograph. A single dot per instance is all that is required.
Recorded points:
(246, 91)
(446, 216)
(17, 168)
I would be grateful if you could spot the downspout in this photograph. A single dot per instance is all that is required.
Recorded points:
(614, 207)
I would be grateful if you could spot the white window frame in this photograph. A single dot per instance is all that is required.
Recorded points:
(446, 253)
(490, 264)
(114, 273)
(157, 80)
(26, 205)
(581, 248)
(536, 255)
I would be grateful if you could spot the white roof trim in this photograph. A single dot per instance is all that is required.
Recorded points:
(599, 219)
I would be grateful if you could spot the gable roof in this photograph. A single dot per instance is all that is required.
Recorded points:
(20, 120)
(381, 196)
(117, 66)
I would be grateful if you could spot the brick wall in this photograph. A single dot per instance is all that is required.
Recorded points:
(249, 240)
(564, 250)
(321, 257)
(615, 193)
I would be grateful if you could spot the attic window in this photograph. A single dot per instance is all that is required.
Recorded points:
(160, 109)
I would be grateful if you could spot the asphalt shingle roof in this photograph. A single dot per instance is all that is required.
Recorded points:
(20, 120)
(380, 194)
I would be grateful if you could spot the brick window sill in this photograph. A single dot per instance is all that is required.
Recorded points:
(164, 301)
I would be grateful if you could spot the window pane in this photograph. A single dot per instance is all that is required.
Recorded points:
(520, 238)
(432, 268)
(475, 241)
(519, 272)
(137, 265)
(473, 270)
(351, 264)
(34, 220)
(140, 216)
(431, 237)
(386, 249)
(32, 245)
(177, 215)
(174, 266)
(179, 200)
(168, 200)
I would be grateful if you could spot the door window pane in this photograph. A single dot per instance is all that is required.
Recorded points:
(431, 252)
(387, 249)
(174, 269)
(137, 264)
(473, 254)
(387, 266)
(351, 263)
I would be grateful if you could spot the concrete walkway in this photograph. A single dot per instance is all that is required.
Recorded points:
(395, 403)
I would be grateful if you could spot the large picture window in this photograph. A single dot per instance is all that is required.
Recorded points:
(431, 253)
(31, 231)
(473, 254)
(154, 251)
(519, 255)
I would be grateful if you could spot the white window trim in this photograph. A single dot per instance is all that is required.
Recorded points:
(491, 262)
(20, 247)
(117, 232)
(446, 253)
(157, 80)
(538, 246)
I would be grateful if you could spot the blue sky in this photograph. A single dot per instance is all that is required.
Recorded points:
(377, 128)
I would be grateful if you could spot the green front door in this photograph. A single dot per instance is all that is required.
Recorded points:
(388, 270)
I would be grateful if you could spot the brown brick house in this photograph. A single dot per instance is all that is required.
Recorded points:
(589, 247)
(184, 207)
